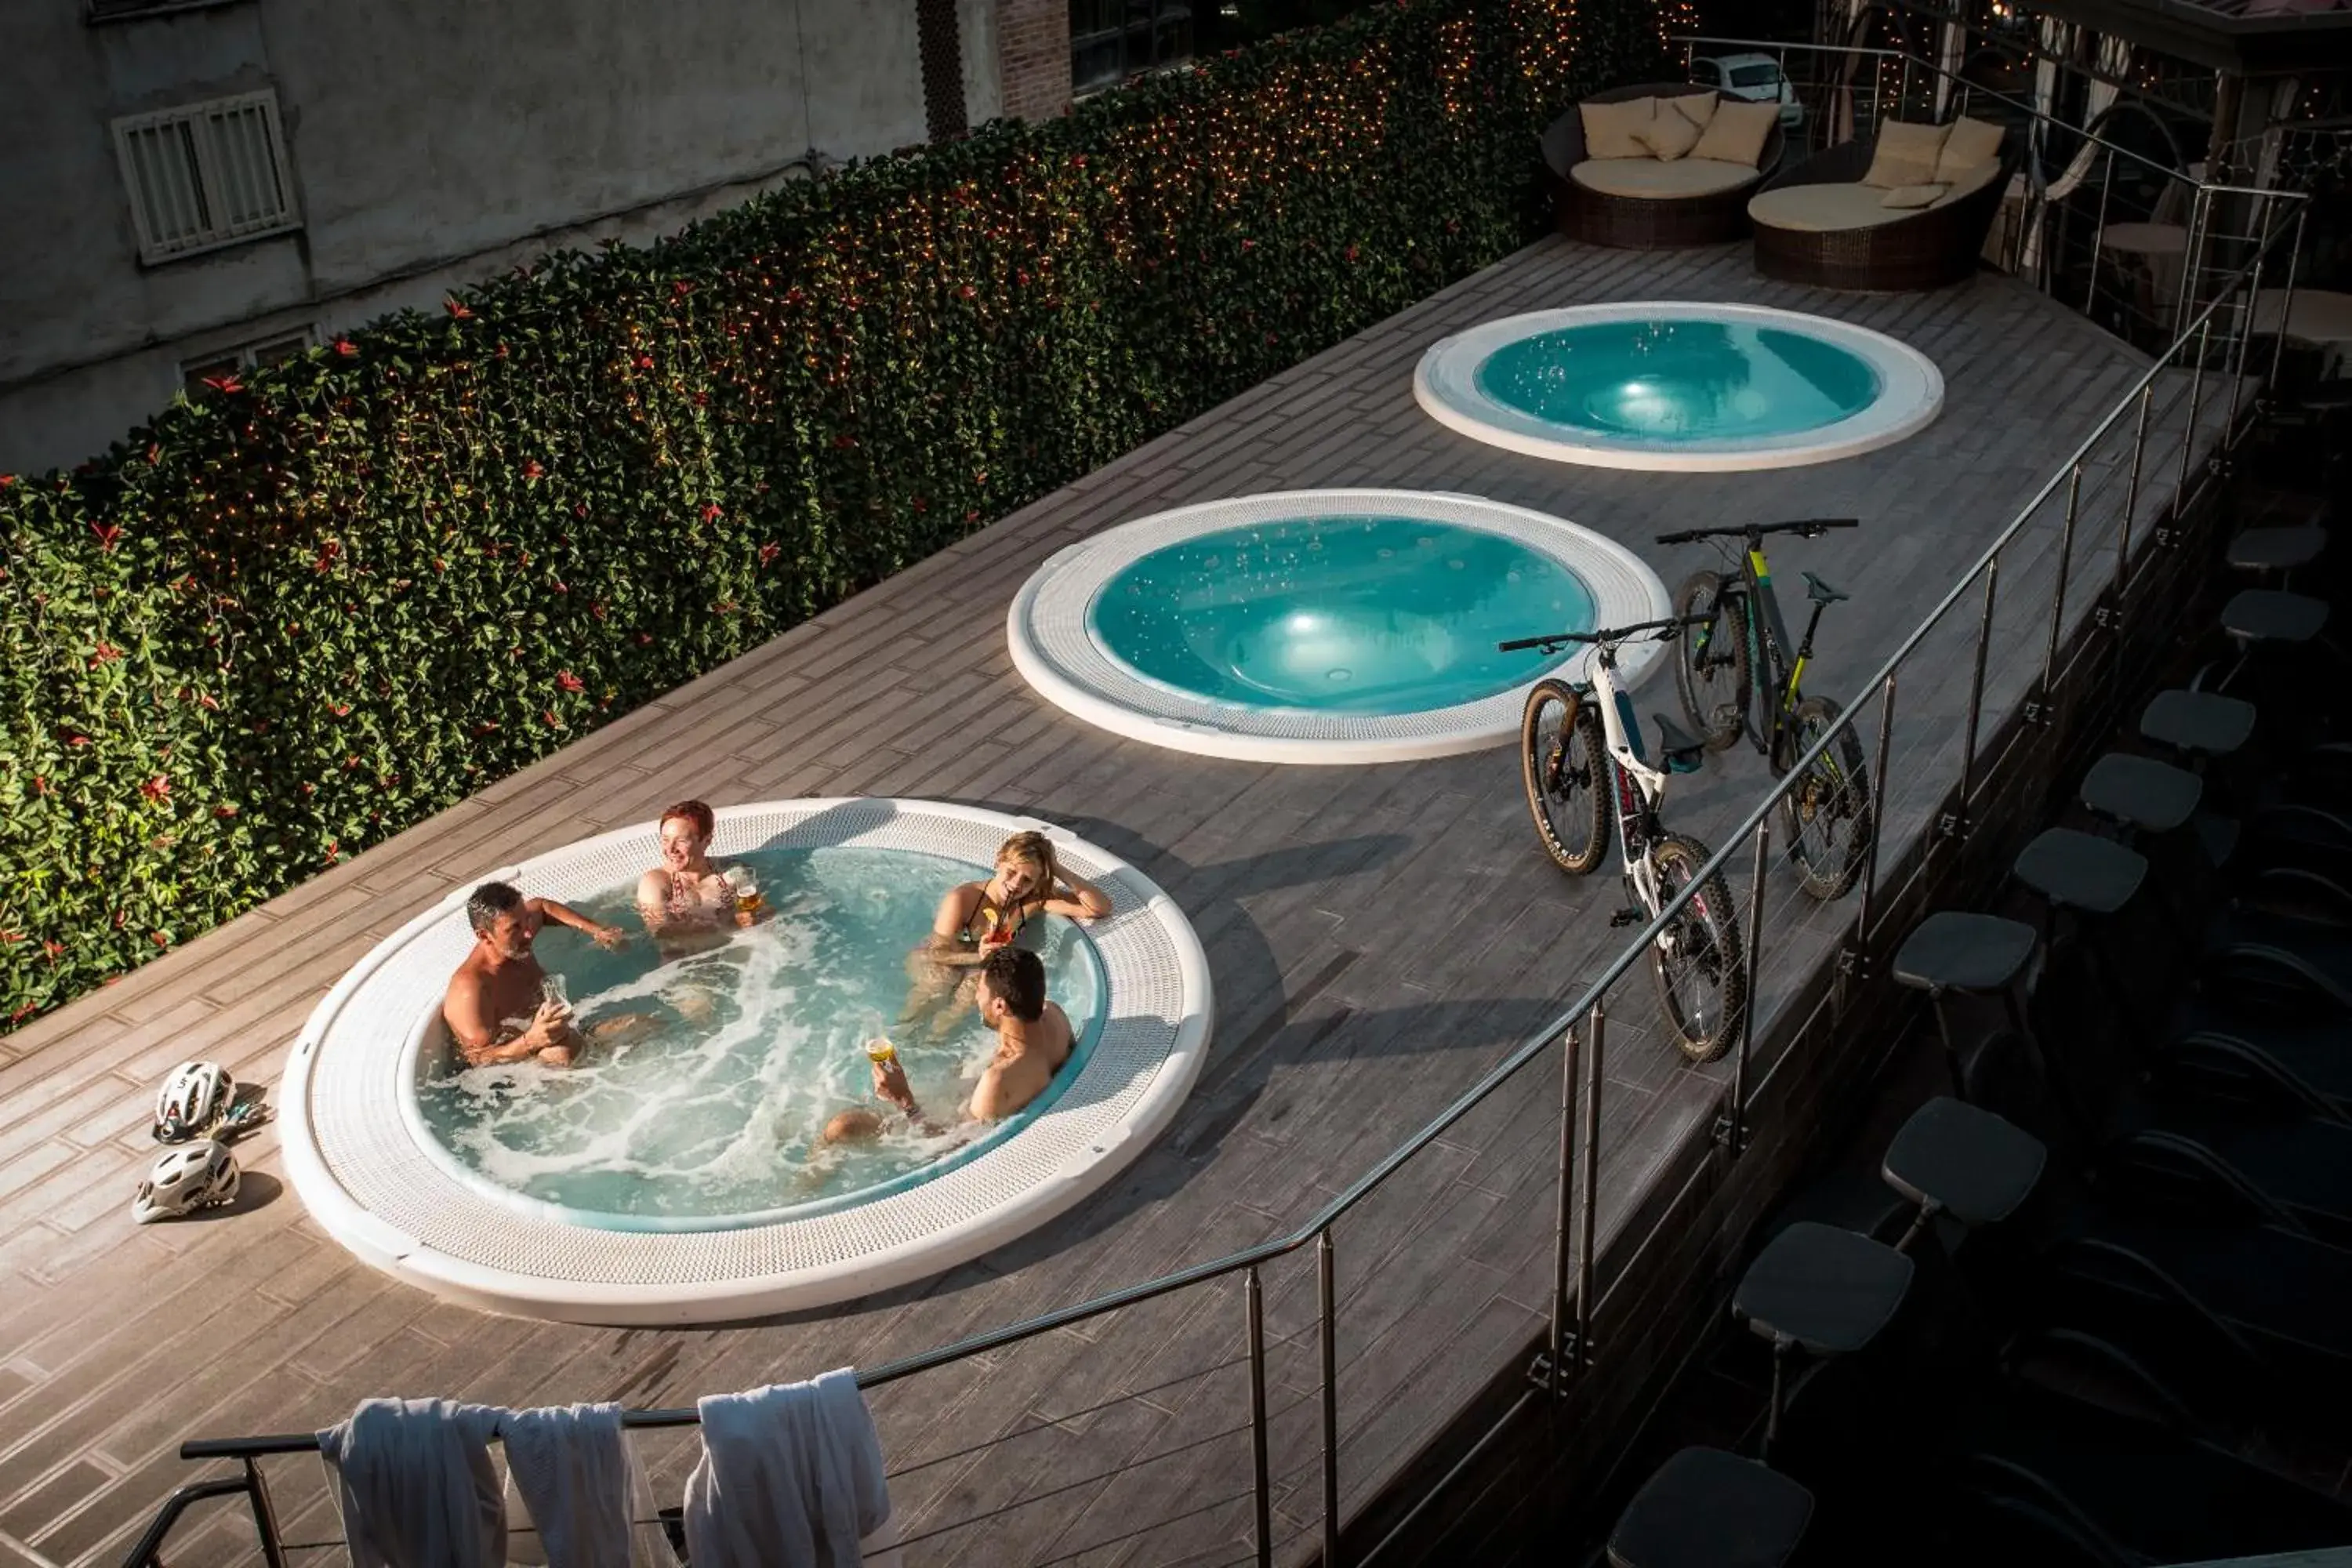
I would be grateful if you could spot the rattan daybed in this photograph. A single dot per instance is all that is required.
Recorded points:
(1660, 203)
(1817, 222)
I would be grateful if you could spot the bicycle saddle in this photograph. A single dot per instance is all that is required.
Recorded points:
(1821, 592)
(1683, 752)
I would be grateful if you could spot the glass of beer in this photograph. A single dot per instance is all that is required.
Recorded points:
(746, 889)
(881, 1052)
(551, 988)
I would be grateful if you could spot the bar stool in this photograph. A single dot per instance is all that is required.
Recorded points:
(2277, 547)
(2090, 878)
(2201, 725)
(1707, 1509)
(2256, 618)
(1820, 1290)
(1953, 1159)
(2148, 802)
(1975, 956)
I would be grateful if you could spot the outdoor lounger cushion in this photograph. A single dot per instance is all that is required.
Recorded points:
(1736, 132)
(1970, 144)
(1613, 129)
(1905, 155)
(1824, 209)
(1652, 180)
(1910, 198)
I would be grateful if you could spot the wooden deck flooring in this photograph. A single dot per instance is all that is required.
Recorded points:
(1378, 936)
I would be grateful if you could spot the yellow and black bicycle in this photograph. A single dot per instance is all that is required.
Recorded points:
(1738, 676)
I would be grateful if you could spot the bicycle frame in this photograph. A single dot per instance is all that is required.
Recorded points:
(1639, 788)
(1775, 678)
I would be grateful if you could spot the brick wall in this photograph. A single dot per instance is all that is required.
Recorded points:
(1033, 57)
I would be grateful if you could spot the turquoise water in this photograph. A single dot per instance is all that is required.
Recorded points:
(1665, 381)
(702, 1120)
(1347, 614)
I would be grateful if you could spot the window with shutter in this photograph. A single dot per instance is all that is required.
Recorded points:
(205, 174)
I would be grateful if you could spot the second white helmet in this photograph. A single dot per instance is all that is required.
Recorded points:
(195, 1096)
(198, 1176)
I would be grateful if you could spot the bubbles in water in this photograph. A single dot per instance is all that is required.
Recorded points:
(1343, 675)
(1385, 554)
(1455, 566)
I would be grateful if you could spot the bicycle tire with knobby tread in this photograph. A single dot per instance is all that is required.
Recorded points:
(1721, 919)
(1580, 725)
(1717, 721)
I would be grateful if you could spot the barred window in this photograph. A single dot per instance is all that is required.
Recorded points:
(205, 174)
(1111, 40)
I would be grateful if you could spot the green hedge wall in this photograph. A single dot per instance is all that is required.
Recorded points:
(304, 611)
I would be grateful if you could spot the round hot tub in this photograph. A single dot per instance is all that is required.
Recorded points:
(1321, 626)
(678, 1171)
(1679, 387)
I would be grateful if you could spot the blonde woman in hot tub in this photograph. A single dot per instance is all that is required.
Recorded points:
(977, 918)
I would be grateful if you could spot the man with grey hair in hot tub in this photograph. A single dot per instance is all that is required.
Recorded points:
(496, 1008)
(1034, 1042)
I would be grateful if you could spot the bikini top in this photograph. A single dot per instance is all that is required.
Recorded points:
(986, 918)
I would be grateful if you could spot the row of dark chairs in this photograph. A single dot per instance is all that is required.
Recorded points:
(2120, 1250)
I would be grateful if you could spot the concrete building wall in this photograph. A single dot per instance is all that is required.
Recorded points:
(429, 145)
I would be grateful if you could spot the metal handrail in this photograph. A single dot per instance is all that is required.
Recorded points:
(1588, 1007)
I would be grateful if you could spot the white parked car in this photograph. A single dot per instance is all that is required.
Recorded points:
(1755, 77)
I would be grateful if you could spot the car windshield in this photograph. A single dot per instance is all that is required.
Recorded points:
(1765, 75)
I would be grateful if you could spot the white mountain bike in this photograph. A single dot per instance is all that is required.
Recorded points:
(1581, 756)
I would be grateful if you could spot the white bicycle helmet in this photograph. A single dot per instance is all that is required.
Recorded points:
(196, 1095)
(185, 1180)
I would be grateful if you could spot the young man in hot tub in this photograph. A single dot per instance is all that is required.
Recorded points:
(493, 1009)
(1033, 1042)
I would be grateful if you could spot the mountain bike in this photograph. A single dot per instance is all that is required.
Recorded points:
(1736, 676)
(1582, 757)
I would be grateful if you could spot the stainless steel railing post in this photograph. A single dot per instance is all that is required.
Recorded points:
(2287, 300)
(1736, 1129)
(1976, 689)
(1560, 1229)
(2131, 491)
(2058, 590)
(1588, 1197)
(1254, 1294)
(1877, 787)
(1327, 1313)
(2196, 405)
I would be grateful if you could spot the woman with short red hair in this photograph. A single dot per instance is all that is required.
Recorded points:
(687, 894)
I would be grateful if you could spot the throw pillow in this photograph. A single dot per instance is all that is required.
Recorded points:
(1669, 134)
(1698, 108)
(1970, 143)
(1737, 132)
(1905, 155)
(1612, 130)
(1913, 196)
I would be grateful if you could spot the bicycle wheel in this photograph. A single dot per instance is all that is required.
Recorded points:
(1702, 978)
(1826, 813)
(1711, 660)
(1563, 761)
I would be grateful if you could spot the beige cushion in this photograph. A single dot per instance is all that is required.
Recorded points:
(1913, 196)
(1959, 183)
(1649, 179)
(1698, 108)
(1970, 143)
(1905, 155)
(1736, 132)
(1669, 134)
(1823, 209)
(1612, 130)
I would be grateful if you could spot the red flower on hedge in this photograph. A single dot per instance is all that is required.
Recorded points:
(159, 939)
(644, 361)
(457, 312)
(104, 653)
(967, 292)
(77, 740)
(532, 471)
(712, 512)
(224, 811)
(345, 347)
(768, 553)
(569, 682)
(340, 709)
(107, 532)
(157, 789)
(225, 384)
(1350, 253)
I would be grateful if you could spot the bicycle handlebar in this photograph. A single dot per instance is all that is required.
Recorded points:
(1809, 527)
(1617, 634)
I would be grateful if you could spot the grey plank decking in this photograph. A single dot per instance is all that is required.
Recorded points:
(1378, 936)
